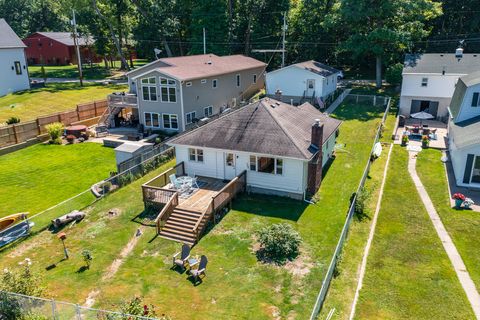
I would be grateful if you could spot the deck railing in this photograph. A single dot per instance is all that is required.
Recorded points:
(153, 191)
(220, 200)
(166, 211)
(120, 100)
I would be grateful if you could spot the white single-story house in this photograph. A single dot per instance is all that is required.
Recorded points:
(13, 63)
(464, 131)
(300, 81)
(282, 147)
(429, 81)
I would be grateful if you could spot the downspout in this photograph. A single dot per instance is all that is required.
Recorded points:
(181, 105)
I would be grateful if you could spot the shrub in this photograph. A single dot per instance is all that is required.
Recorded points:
(279, 242)
(55, 131)
(13, 120)
(359, 208)
(393, 75)
(137, 307)
(106, 187)
(87, 257)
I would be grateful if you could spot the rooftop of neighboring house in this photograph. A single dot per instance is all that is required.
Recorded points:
(264, 127)
(460, 89)
(316, 67)
(437, 63)
(199, 66)
(8, 37)
(465, 133)
(65, 38)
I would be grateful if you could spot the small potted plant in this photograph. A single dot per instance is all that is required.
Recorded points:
(404, 140)
(468, 203)
(459, 199)
(425, 141)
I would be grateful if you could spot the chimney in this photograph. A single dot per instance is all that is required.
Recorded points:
(315, 165)
(459, 53)
(278, 95)
(317, 134)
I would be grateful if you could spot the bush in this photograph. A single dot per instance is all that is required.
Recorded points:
(13, 120)
(393, 75)
(137, 307)
(279, 242)
(87, 257)
(55, 131)
(359, 209)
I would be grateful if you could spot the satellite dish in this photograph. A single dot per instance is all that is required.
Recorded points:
(157, 52)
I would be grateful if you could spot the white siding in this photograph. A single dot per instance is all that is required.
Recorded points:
(466, 109)
(9, 80)
(459, 158)
(292, 81)
(439, 86)
(328, 148)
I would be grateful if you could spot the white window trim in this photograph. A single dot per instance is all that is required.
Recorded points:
(192, 114)
(215, 81)
(203, 81)
(238, 80)
(274, 162)
(209, 114)
(149, 85)
(188, 84)
(151, 117)
(168, 86)
(196, 155)
(169, 118)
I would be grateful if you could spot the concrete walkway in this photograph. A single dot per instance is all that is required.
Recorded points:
(450, 249)
(338, 101)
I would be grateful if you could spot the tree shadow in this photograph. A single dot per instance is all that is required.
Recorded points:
(82, 269)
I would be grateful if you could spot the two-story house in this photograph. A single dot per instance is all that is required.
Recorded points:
(174, 93)
(429, 81)
(464, 131)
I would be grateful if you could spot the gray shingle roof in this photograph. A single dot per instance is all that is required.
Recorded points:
(465, 133)
(457, 98)
(317, 67)
(8, 37)
(438, 62)
(264, 127)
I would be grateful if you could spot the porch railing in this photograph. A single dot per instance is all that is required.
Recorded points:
(118, 100)
(166, 212)
(153, 191)
(219, 201)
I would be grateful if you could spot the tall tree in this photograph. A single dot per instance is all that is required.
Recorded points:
(379, 28)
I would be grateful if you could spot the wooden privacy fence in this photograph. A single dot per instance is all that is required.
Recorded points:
(24, 131)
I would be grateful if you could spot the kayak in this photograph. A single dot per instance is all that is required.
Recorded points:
(9, 221)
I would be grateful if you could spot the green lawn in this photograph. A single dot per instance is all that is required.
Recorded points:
(462, 225)
(409, 275)
(38, 177)
(95, 72)
(237, 285)
(56, 97)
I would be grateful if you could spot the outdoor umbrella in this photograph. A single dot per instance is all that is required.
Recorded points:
(422, 115)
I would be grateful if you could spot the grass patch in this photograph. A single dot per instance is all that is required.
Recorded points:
(462, 225)
(55, 97)
(40, 176)
(408, 274)
(237, 285)
(96, 71)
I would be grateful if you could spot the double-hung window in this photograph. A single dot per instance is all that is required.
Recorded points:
(214, 83)
(208, 111)
(149, 89)
(475, 99)
(152, 119)
(168, 90)
(189, 117)
(18, 67)
(266, 165)
(170, 121)
(424, 82)
(195, 154)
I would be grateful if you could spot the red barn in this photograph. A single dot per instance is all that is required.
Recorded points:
(57, 48)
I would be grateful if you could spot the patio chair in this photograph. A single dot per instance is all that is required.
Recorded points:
(199, 272)
(194, 181)
(173, 180)
(183, 259)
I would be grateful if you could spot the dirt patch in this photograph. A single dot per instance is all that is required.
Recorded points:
(26, 246)
(301, 266)
(273, 312)
(90, 301)
(113, 213)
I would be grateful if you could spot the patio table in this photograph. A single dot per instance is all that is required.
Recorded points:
(185, 180)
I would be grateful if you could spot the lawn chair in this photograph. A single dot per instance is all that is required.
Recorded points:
(174, 182)
(194, 181)
(199, 272)
(183, 260)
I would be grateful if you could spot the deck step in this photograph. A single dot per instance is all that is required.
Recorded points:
(189, 242)
(183, 217)
(178, 226)
(187, 213)
(182, 221)
(178, 237)
(188, 233)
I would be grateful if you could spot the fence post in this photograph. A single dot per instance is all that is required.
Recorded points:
(53, 310)
(374, 100)
(95, 108)
(38, 127)
(59, 117)
(79, 314)
(15, 133)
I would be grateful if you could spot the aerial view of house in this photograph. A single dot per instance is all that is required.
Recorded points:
(302, 81)
(14, 75)
(58, 48)
(429, 81)
(239, 160)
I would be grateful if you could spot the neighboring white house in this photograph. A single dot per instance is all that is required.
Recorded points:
(282, 147)
(429, 81)
(13, 64)
(309, 79)
(464, 131)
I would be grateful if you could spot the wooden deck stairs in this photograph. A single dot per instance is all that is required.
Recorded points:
(180, 226)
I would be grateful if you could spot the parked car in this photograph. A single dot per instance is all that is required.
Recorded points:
(340, 75)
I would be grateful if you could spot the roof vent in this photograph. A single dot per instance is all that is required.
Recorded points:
(209, 62)
(277, 103)
(459, 53)
(475, 55)
(441, 55)
(272, 105)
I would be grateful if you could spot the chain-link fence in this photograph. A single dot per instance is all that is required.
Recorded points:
(19, 306)
(367, 99)
(375, 100)
(43, 219)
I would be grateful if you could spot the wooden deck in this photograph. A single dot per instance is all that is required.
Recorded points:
(200, 199)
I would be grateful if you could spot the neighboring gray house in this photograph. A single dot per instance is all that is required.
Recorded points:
(464, 131)
(173, 93)
(282, 147)
(429, 81)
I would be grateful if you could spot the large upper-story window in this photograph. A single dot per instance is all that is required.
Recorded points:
(475, 99)
(266, 165)
(149, 89)
(170, 121)
(168, 90)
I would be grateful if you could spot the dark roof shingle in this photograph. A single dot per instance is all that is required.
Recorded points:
(66, 38)
(8, 37)
(439, 62)
(264, 127)
(317, 67)
(465, 133)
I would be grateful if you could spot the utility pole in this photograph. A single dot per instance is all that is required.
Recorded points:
(204, 42)
(75, 42)
(284, 30)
